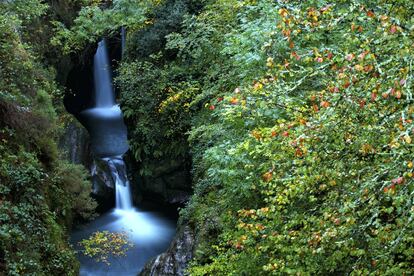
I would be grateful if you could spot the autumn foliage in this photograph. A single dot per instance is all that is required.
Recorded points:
(324, 186)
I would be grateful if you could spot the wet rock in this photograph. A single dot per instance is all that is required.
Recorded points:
(102, 185)
(101, 176)
(176, 259)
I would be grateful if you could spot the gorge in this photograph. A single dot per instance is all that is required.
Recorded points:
(149, 231)
(206, 137)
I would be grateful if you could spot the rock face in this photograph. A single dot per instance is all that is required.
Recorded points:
(175, 260)
(75, 144)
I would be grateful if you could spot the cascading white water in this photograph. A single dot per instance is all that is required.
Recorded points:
(104, 95)
(107, 129)
(122, 190)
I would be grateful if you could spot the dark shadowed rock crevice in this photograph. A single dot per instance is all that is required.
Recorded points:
(169, 182)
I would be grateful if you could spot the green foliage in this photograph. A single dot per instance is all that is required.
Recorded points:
(298, 115)
(301, 133)
(69, 195)
(26, 10)
(162, 21)
(40, 195)
(160, 114)
(316, 162)
(31, 240)
(96, 20)
(102, 245)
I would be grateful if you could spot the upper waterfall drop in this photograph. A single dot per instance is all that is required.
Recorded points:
(104, 122)
(102, 77)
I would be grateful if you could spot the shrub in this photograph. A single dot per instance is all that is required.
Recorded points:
(70, 193)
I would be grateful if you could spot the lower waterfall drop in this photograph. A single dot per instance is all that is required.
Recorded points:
(123, 198)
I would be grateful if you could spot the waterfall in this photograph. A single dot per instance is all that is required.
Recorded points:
(107, 129)
(122, 190)
(149, 231)
(104, 95)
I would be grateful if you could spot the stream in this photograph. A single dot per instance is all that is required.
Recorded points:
(150, 230)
